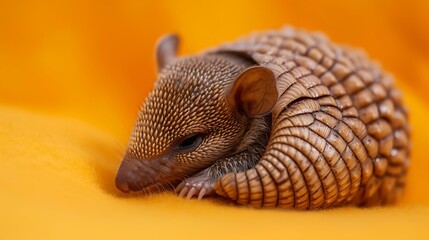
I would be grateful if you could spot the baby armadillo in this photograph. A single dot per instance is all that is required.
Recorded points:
(276, 119)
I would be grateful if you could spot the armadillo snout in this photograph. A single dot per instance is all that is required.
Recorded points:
(122, 184)
(128, 177)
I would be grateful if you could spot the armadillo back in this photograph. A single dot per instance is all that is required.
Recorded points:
(340, 132)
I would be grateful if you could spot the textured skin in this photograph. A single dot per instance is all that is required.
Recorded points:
(312, 125)
(340, 132)
(188, 98)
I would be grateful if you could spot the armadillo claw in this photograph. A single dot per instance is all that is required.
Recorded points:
(198, 186)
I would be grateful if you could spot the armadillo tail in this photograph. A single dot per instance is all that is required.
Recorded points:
(274, 183)
(285, 176)
(256, 187)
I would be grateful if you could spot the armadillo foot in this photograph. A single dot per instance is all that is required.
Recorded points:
(199, 185)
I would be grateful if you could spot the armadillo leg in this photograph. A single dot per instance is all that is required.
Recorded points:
(201, 184)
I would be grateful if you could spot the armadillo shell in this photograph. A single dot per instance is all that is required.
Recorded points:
(340, 133)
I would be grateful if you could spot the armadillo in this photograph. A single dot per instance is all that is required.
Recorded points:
(281, 118)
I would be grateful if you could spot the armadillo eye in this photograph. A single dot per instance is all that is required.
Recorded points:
(190, 143)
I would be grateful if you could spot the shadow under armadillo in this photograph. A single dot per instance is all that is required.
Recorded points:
(105, 156)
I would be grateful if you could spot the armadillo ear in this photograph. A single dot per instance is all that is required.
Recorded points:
(254, 91)
(166, 50)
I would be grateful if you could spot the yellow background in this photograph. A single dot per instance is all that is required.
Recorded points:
(73, 74)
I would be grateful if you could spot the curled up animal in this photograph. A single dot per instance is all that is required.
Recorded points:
(280, 118)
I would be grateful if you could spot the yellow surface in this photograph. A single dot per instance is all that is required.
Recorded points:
(73, 73)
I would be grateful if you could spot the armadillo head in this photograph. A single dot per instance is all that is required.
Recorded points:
(196, 114)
